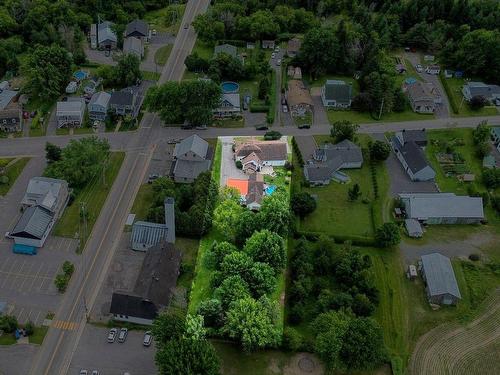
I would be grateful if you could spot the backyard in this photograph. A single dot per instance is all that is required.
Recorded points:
(13, 168)
(335, 214)
(93, 195)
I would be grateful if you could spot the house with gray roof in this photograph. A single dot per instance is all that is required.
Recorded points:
(70, 113)
(135, 46)
(490, 92)
(329, 159)
(125, 102)
(229, 106)
(106, 37)
(423, 97)
(137, 29)
(228, 49)
(98, 106)
(440, 283)
(495, 136)
(336, 94)
(49, 193)
(145, 235)
(191, 158)
(10, 110)
(406, 146)
(443, 208)
(33, 227)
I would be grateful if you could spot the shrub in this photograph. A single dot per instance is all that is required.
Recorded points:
(477, 102)
(68, 268)
(303, 204)
(292, 340)
(61, 281)
(8, 323)
(239, 164)
(29, 328)
(272, 135)
(388, 235)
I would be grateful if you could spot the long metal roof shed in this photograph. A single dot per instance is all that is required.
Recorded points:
(439, 275)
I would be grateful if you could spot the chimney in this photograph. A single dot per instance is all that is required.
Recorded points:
(169, 205)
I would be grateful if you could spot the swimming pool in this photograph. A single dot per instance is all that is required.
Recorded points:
(270, 189)
(230, 87)
(80, 74)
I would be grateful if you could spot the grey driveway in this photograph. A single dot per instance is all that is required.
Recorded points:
(95, 353)
(254, 118)
(319, 115)
(228, 167)
(442, 110)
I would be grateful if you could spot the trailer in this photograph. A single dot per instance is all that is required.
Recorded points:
(24, 249)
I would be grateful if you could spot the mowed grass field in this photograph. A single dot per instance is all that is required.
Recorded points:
(12, 172)
(94, 195)
(335, 214)
(455, 90)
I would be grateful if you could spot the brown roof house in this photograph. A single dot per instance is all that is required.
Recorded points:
(299, 98)
(293, 47)
(423, 97)
(255, 195)
(255, 155)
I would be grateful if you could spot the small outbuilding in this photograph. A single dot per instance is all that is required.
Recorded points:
(413, 228)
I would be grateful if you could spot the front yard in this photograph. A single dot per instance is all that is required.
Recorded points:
(93, 195)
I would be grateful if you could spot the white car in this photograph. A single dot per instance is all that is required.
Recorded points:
(273, 55)
(153, 32)
(84, 372)
(277, 49)
(278, 63)
(112, 335)
(285, 109)
(419, 68)
(148, 339)
(95, 372)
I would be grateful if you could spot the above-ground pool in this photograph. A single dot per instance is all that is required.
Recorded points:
(80, 75)
(230, 87)
(270, 189)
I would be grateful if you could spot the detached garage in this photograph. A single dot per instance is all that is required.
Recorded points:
(441, 284)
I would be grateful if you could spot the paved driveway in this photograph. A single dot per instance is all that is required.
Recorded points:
(95, 353)
(442, 110)
(228, 167)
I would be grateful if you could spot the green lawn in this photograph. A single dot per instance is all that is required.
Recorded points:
(150, 76)
(189, 248)
(365, 117)
(455, 95)
(12, 172)
(82, 130)
(94, 195)
(162, 54)
(229, 123)
(38, 335)
(167, 19)
(336, 215)
(216, 164)
(142, 202)
(7, 339)
(203, 50)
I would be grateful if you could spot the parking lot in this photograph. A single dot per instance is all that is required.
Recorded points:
(95, 353)
(27, 282)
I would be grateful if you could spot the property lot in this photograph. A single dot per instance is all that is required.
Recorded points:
(95, 353)
(27, 282)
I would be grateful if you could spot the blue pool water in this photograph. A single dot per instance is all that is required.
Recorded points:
(270, 189)
(79, 75)
(230, 87)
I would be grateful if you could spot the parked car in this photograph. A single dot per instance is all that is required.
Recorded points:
(285, 109)
(95, 372)
(261, 127)
(84, 372)
(419, 68)
(148, 339)
(201, 127)
(304, 126)
(112, 335)
(7, 235)
(278, 63)
(186, 26)
(153, 177)
(277, 49)
(273, 55)
(153, 32)
(186, 126)
(123, 335)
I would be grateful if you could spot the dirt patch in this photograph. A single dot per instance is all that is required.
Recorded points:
(304, 364)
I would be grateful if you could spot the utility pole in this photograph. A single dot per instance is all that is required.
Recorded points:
(381, 108)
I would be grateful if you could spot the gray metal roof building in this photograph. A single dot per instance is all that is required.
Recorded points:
(442, 287)
(33, 227)
(412, 157)
(443, 208)
(194, 144)
(49, 193)
(146, 234)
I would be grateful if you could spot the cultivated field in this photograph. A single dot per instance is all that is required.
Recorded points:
(458, 350)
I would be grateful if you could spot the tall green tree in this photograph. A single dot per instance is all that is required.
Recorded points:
(267, 247)
(47, 71)
(128, 71)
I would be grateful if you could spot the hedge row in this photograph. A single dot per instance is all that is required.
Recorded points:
(355, 240)
(259, 108)
(449, 93)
